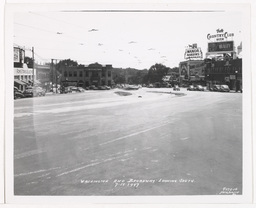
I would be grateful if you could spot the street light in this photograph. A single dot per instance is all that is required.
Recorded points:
(236, 72)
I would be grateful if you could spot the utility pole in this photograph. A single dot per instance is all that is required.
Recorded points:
(52, 73)
(33, 59)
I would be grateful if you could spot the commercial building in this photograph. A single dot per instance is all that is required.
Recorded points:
(85, 76)
(23, 75)
(223, 61)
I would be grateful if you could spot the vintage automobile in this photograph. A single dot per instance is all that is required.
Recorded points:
(191, 88)
(176, 88)
(17, 93)
(199, 88)
(216, 88)
(34, 92)
(224, 88)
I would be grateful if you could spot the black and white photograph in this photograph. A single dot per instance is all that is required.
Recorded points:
(129, 101)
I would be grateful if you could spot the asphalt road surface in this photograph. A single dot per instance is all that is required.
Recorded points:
(149, 142)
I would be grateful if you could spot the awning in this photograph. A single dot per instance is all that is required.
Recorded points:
(19, 82)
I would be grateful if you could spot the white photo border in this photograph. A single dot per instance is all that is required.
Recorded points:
(246, 197)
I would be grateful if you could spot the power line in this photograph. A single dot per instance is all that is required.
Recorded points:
(35, 28)
(53, 32)
(58, 20)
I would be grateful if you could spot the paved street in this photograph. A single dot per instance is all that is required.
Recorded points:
(148, 143)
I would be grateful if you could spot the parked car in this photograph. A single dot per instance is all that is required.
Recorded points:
(80, 89)
(77, 89)
(34, 92)
(102, 88)
(224, 88)
(216, 88)
(191, 88)
(199, 88)
(107, 87)
(92, 87)
(150, 86)
(17, 93)
(176, 88)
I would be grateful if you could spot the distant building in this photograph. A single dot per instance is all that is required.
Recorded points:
(85, 76)
(43, 73)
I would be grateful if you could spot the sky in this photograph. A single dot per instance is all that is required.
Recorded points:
(123, 39)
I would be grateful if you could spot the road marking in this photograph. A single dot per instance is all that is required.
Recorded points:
(92, 164)
(123, 160)
(34, 172)
(134, 134)
(77, 169)
(185, 138)
(27, 154)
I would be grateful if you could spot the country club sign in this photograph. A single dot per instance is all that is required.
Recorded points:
(193, 52)
(220, 36)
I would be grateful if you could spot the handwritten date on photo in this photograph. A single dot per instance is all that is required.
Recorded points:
(135, 183)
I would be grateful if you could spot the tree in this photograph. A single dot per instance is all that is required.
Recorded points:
(28, 61)
(65, 63)
(157, 72)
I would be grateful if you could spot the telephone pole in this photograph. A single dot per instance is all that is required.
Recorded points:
(33, 60)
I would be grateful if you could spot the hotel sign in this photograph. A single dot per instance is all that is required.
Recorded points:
(221, 35)
(227, 46)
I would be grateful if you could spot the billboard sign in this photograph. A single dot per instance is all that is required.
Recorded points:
(16, 55)
(220, 35)
(196, 70)
(184, 70)
(227, 46)
(193, 52)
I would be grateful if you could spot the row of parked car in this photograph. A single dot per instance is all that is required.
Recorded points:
(215, 88)
(72, 89)
(28, 92)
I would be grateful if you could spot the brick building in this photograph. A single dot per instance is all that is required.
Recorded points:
(85, 76)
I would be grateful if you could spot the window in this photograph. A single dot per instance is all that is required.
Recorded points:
(109, 73)
(103, 74)
(70, 73)
(75, 73)
(87, 74)
(16, 77)
(21, 77)
(65, 74)
(80, 73)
